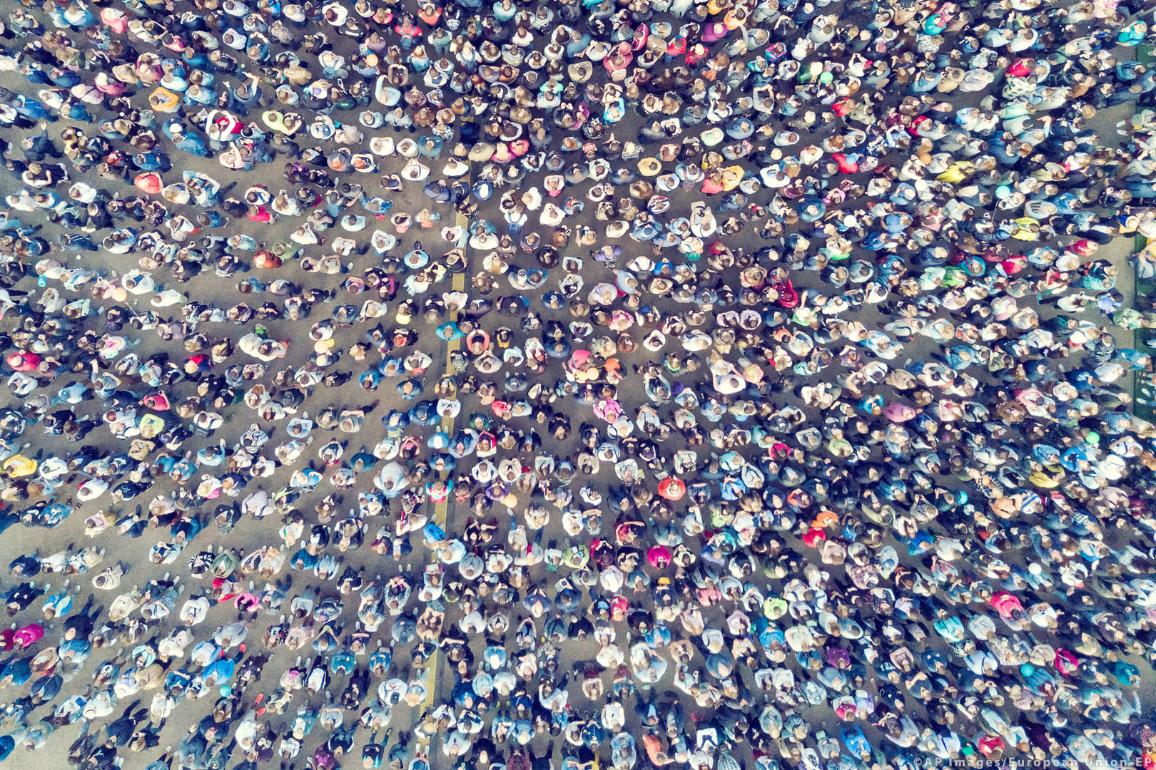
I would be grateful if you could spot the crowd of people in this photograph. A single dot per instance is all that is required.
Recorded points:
(576, 384)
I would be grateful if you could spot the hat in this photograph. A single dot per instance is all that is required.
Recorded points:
(617, 228)
(455, 168)
(552, 216)
(580, 71)
(532, 198)
(382, 145)
(414, 170)
(649, 167)
(712, 136)
(481, 152)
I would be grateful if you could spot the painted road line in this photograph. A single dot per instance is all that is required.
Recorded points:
(441, 510)
(1143, 340)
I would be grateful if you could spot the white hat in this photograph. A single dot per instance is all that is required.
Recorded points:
(335, 13)
(414, 170)
(552, 216)
(532, 198)
(454, 168)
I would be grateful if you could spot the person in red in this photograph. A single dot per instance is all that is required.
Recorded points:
(24, 361)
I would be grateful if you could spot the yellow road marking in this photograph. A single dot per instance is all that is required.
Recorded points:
(441, 510)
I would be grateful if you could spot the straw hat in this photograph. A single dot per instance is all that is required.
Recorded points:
(481, 152)
(649, 167)
(580, 72)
